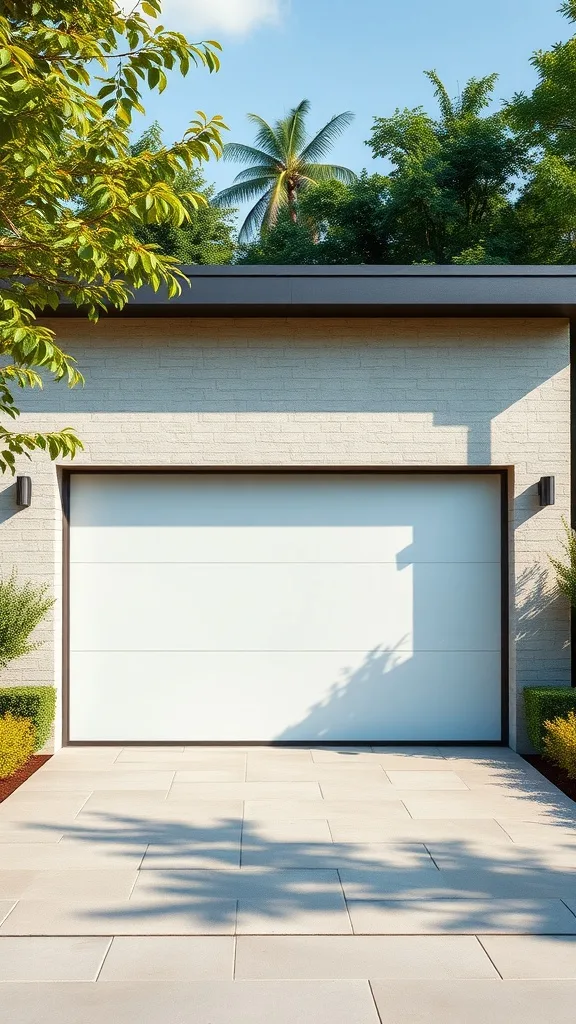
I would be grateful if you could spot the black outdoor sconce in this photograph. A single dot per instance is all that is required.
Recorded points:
(23, 491)
(547, 490)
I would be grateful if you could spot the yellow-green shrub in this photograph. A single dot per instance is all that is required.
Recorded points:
(560, 743)
(17, 740)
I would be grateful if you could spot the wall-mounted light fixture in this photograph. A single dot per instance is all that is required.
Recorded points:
(23, 491)
(547, 490)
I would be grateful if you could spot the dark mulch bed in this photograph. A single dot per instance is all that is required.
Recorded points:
(7, 786)
(553, 774)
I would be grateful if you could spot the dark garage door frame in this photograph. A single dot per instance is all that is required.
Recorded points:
(503, 472)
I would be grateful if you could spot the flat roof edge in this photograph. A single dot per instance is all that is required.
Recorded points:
(360, 291)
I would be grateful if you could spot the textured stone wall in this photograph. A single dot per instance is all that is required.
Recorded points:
(299, 392)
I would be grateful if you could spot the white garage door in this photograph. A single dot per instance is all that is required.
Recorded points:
(295, 607)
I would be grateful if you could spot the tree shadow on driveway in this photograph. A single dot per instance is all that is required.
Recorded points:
(220, 875)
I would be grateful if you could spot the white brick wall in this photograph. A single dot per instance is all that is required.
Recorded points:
(329, 392)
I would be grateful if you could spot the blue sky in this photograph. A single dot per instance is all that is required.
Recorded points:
(367, 56)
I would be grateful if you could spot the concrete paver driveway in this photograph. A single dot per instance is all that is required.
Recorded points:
(175, 885)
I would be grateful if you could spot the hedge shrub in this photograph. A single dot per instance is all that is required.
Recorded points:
(560, 743)
(38, 703)
(544, 704)
(17, 739)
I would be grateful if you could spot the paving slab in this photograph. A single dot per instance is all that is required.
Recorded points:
(288, 830)
(167, 760)
(256, 882)
(362, 956)
(418, 916)
(149, 806)
(311, 771)
(64, 856)
(550, 835)
(211, 775)
(216, 791)
(426, 780)
(357, 828)
(286, 914)
(186, 825)
(474, 804)
(276, 810)
(142, 752)
(525, 858)
(351, 790)
(191, 855)
(178, 957)
(195, 1002)
(43, 808)
(380, 883)
(384, 757)
(55, 781)
(474, 1002)
(532, 956)
(69, 885)
(262, 752)
(406, 857)
(116, 917)
(61, 958)
(30, 835)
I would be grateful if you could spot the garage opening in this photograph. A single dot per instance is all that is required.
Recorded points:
(285, 606)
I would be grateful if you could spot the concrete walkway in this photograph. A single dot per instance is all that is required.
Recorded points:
(300, 886)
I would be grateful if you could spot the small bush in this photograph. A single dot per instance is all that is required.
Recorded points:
(38, 703)
(566, 571)
(17, 738)
(22, 608)
(560, 743)
(543, 704)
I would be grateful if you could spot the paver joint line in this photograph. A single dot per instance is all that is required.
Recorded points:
(479, 939)
(571, 909)
(375, 1003)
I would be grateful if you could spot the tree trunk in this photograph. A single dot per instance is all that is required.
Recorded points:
(292, 202)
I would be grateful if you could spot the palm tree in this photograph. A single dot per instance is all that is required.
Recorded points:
(284, 162)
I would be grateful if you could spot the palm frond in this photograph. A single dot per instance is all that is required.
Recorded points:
(326, 137)
(266, 136)
(292, 129)
(253, 222)
(241, 192)
(257, 171)
(326, 172)
(237, 152)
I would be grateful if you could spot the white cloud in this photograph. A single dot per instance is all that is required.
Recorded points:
(197, 18)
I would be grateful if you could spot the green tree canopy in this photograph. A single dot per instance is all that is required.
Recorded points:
(546, 120)
(547, 116)
(452, 178)
(207, 236)
(72, 194)
(284, 163)
(338, 224)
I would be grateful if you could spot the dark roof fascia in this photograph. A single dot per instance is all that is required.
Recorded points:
(376, 291)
